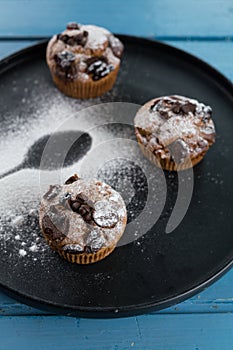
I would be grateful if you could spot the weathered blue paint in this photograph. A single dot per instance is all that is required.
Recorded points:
(140, 17)
(148, 332)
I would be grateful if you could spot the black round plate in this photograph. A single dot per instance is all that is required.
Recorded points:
(158, 269)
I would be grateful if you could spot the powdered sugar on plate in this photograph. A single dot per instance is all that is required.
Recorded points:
(37, 110)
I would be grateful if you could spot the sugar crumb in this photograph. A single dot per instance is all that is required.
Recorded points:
(22, 252)
(18, 220)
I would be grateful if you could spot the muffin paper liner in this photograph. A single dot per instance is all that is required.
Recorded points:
(169, 164)
(86, 89)
(86, 258)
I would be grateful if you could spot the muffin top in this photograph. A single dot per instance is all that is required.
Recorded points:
(175, 127)
(82, 216)
(84, 52)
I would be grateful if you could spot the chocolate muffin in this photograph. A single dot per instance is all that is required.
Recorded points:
(82, 221)
(84, 60)
(174, 132)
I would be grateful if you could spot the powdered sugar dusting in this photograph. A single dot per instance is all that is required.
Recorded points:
(18, 220)
(105, 214)
(97, 36)
(42, 108)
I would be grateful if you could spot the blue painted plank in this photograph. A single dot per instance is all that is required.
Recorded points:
(68, 333)
(9, 47)
(143, 17)
(182, 332)
(170, 332)
(218, 54)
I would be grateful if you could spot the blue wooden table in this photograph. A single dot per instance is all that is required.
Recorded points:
(202, 27)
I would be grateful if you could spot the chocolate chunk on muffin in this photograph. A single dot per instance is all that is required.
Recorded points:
(174, 132)
(82, 221)
(84, 60)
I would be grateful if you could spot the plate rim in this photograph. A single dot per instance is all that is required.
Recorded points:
(223, 82)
